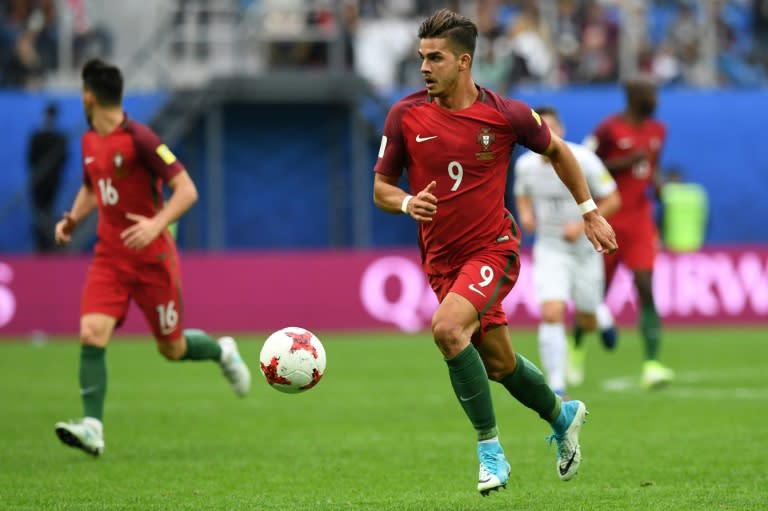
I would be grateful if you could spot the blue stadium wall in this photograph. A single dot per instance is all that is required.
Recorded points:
(288, 180)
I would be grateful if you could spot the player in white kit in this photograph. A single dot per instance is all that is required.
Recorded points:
(565, 265)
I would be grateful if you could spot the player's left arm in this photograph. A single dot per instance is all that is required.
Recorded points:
(146, 229)
(160, 161)
(657, 180)
(183, 196)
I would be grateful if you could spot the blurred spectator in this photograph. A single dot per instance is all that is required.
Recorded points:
(493, 63)
(685, 30)
(665, 65)
(760, 32)
(303, 35)
(532, 54)
(27, 42)
(760, 24)
(46, 156)
(386, 47)
(598, 58)
(566, 42)
(683, 38)
(567, 38)
(29, 39)
(734, 61)
(88, 38)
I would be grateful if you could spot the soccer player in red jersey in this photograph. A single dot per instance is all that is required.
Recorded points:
(124, 168)
(629, 144)
(455, 140)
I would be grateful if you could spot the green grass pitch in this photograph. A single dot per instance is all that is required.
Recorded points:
(382, 431)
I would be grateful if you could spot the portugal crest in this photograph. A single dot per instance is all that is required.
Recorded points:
(119, 170)
(486, 138)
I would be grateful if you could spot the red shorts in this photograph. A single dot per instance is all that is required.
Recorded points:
(485, 280)
(156, 287)
(638, 244)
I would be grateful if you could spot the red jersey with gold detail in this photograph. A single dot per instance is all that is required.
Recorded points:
(616, 137)
(467, 153)
(126, 170)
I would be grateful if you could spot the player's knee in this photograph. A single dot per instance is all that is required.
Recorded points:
(449, 337)
(499, 364)
(171, 350)
(553, 312)
(92, 334)
(551, 316)
(500, 370)
(587, 321)
(644, 293)
(644, 285)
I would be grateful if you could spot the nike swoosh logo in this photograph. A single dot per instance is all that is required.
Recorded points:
(473, 288)
(89, 159)
(564, 469)
(481, 481)
(465, 399)
(89, 390)
(419, 138)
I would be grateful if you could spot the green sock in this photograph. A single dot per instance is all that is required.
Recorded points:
(200, 346)
(470, 383)
(650, 328)
(93, 380)
(526, 383)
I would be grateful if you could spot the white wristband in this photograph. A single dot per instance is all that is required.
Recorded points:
(404, 205)
(587, 206)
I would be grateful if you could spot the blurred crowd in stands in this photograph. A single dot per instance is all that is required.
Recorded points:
(522, 42)
(571, 42)
(30, 35)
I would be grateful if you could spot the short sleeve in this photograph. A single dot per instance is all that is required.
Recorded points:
(532, 132)
(600, 140)
(600, 181)
(392, 151)
(154, 154)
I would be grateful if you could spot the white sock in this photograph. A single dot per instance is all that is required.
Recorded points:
(552, 349)
(604, 317)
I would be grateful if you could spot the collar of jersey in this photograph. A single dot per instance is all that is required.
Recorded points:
(482, 95)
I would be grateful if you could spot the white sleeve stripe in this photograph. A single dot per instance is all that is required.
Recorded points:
(382, 146)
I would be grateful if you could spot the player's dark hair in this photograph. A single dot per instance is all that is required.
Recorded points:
(547, 110)
(640, 83)
(446, 24)
(105, 81)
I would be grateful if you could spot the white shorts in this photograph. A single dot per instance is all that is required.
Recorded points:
(576, 274)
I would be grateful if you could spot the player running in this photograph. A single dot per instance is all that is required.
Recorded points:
(565, 265)
(629, 144)
(455, 141)
(124, 167)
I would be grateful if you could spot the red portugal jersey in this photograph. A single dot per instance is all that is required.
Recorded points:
(126, 170)
(467, 154)
(615, 137)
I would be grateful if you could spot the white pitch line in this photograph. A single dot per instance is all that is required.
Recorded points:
(632, 384)
(740, 393)
(621, 384)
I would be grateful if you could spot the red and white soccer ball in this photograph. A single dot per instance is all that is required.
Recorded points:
(292, 360)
